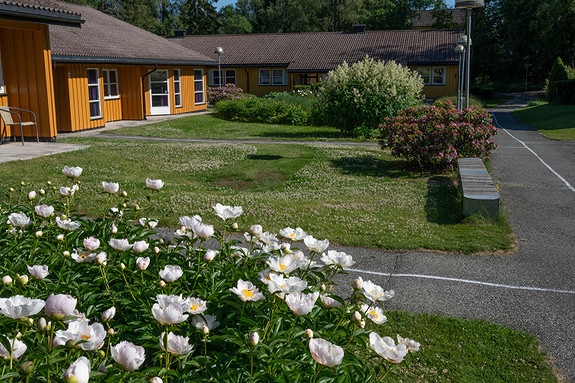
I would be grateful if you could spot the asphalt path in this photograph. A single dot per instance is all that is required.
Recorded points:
(533, 289)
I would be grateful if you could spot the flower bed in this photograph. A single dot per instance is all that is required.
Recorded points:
(104, 299)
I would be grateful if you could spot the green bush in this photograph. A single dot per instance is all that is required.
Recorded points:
(565, 92)
(304, 98)
(357, 98)
(263, 110)
(558, 73)
(226, 92)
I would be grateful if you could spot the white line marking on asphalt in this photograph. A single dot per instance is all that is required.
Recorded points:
(527, 288)
(535, 154)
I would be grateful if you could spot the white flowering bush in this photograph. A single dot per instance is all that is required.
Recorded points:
(106, 299)
(358, 97)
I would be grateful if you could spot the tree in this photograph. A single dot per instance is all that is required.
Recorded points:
(198, 17)
(231, 22)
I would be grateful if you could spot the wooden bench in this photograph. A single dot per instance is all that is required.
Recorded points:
(476, 186)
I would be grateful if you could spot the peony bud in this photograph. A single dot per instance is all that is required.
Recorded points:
(49, 182)
(42, 191)
(356, 316)
(66, 253)
(23, 279)
(309, 333)
(254, 338)
(210, 255)
(235, 226)
(156, 249)
(137, 207)
(60, 237)
(39, 233)
(162, 283)
(111, 332)
(114, 229)
(11, 190)
(358, 284)
(6, 280)
(42, 324)
(124, 205)
(22, 183)
(322, 287)
(124, 194)
(156, 379)
(32, 195)
(19, 335)
(206, 330)
(27, 367)
(108, 314)
(362, 324)
(122, 266)
(101, 258)
(256, 230)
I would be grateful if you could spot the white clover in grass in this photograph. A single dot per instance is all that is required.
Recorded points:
(329, 302)
(295, 235)
(18, 306)
(88, 337)
(374, 313)
(91, 243)
(387, 349)
(315, 244)
(205, 320)
(38, 271)
(154, 184)
(337, 258)
(325, 352)
(67, 224)
(110, 187)
(128, 355)
(189, 222)
(79, 371)
(285, 264)
(279, 283)
(246, 291)
(83, 256)
(120, 244)
(375, 293)
(228, 212)
(60, 306)
(17, 346)
(300, 303)
(177, 345)
(20, 220)
(171, 273)
(72, 172)
(140, 246)
(195, 306)
(203, 231)
(411, 345)
(142, 263)
(44, 211)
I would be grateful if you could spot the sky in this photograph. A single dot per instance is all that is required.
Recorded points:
(222, 3)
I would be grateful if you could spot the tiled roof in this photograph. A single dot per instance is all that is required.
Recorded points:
(105, 39)
(425, 19)
(47, 11)
(324, 51)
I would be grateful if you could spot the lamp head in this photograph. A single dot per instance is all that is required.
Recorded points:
(219, 50)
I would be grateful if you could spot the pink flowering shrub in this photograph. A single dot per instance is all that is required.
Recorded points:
(433, 137)
(226, 92)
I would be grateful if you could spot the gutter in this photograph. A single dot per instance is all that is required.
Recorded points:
(126, 61)
(144, 89)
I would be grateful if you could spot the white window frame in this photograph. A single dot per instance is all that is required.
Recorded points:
(283, 77)
(179, 82)
(269, 76)
(98, 100)
(442, 76)
(2, 85)
(226, 76)
(203, 87)
(108, 84)
(426, 78)
(212, 79)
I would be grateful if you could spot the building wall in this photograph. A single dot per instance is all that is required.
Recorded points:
(27, 74)
(71, 82)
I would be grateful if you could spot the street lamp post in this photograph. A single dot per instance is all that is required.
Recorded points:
(469, 5)
(459, 49)
(219, 51)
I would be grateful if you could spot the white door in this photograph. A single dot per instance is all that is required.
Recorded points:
(159, 92)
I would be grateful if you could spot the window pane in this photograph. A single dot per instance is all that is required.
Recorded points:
(176, 75)
(278, 76)
(199, 86)
(159, 88)
(113, 90)
(230, 77)
(92, 76)
(106, 91)
(159, 76)
(178, 100)
(159, 100)
(93, 93)
(264, 76)
(113, 76)
(198, 75)
(94, 109)
(177, 87)
(199, 98)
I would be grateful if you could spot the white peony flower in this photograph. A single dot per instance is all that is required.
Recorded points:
(374, 292)
(67, 191)
(110, 187)
(210, 255)
(246, 291)
(283, 264)
(374, 313)
(294, 234)
(140, 246)
(79, 371)
(203, 231)
(228, 212)
(38, 271)
(83, 256)
(18, 306)
(177, 345)
(329, 302)
(337, 258)
(91, 243)
(72, 172)
(194, 305)
(44, 210)
(18, 349)
(88, 337)
(188, 222)
(148, 222)
(255, 230)
(387, 349)
(120, 244)
(102, 258)
(171, 273)
(278, 282)
(205, 320)
(167, 312)
(411, 345)
(20, 220)
(109, 314)
(60, 306)
(300, 303)
(325, 353)
(67, 224)
(142, 263)
(154, 184)
(128, 355)
(32, 195)
(315, 245)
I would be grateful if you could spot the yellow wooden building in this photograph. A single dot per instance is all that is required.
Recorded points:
(277, 62)
(26, 80)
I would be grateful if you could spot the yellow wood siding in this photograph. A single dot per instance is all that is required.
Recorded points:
(450, 87)
(27, 72)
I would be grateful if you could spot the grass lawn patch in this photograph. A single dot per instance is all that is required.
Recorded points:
(358, 196)
(553, 121)
(209, 126)
(498, 99)
(459, 350)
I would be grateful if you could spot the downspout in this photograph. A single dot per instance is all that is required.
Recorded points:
(144, 88)
(248, 79)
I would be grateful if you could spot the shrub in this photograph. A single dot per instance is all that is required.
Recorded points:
(565, 92)
(226, 92)
(263, 110)
(558, 73)
(357, 98)
(433, 137)
(304, 98)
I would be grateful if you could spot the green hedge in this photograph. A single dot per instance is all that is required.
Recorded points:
(263, 110)
(564, 92)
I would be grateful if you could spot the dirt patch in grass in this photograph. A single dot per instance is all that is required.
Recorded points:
(258, 181)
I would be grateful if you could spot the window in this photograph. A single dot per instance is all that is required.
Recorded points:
(265, 77)
(279, 77)
(199, 86)
(110, 84)
(2, 86)
(178, 88)
(425, 74)
(324, 77)
(215, 78)
(231, 76)
(94, 94)
(438, 76)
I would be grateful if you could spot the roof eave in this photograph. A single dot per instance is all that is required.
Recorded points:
(126, 60)
(15, 12)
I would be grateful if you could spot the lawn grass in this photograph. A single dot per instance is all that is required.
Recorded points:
(209, 126)
(357, 196)
(498, 99)
(553, 121)
(459, 350)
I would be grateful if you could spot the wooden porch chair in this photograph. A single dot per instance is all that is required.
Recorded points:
(6, 113)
